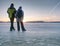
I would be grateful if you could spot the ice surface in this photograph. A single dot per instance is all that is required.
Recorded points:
(37, 34)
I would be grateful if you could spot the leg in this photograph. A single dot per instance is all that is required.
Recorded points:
(12, 27)
(22, 26)
(13, 23)
(18, 26)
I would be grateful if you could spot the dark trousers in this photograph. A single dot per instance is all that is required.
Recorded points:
(20, 24)
(12, 21)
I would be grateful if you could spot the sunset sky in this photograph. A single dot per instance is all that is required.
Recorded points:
(34, 10)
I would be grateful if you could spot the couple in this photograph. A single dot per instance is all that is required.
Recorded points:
(19, 14)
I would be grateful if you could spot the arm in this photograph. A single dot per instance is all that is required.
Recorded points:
(8, 12)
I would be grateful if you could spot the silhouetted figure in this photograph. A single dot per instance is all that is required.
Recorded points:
(11, 12)
(19, 17)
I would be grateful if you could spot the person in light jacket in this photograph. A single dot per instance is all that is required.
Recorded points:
(19, 17)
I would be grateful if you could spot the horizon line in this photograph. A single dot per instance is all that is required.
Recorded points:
(33, 21)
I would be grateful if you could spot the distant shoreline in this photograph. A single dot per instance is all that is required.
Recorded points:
(34, 22)
(42, 22)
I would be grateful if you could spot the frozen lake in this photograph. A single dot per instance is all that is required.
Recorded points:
(37, 34)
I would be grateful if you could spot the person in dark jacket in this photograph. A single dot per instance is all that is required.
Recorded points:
(19, 17)
(11, 12)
